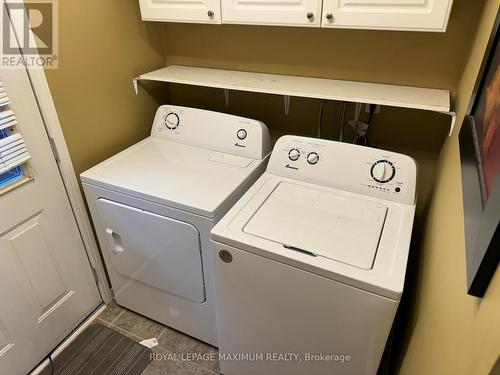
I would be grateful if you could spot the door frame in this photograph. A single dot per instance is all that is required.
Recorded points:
(62, 157)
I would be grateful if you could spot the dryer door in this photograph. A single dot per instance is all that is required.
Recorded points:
(152, 249)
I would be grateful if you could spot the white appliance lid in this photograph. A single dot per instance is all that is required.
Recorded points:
(321, 223)
(181, 176)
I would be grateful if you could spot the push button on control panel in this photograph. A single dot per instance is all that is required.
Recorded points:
(294, 154)
(242, 134)
(313, 158)
(172, 121)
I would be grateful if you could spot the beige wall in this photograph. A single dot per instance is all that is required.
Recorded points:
(423, 59)
(103, 44)
(411, 58)
(454, 333)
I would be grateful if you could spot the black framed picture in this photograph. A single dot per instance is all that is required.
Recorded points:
(480, 161)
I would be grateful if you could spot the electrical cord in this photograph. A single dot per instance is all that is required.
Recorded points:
(363, 139)
(373, 107)
(320, 117)
(342, 121)
(52, 365)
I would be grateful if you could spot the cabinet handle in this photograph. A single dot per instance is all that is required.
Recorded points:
(310, 15)
(329, 16)
(210, 13)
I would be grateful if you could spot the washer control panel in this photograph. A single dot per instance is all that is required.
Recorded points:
(344, 166)
(212, 130)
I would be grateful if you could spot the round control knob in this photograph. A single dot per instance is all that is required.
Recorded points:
(383, 171)
(294, 154)
(313, 158)
(172, 121)
(242, 134)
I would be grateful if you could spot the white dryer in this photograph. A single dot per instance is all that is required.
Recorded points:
(310, 263)
(154, 204)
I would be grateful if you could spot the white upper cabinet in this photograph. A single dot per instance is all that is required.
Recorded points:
(272, 12)
(416, 15)
(409, 15)
(196, 11)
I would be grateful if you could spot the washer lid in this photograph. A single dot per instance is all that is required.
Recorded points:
(321, 223)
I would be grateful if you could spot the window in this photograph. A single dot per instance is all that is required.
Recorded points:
(13, 175)
(13, 152)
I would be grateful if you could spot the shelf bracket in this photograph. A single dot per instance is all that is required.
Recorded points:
(286, 99)
(226, 97)
(135, 82)
(453, 121)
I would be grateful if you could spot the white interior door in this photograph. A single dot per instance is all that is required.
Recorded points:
(199, 11)
(419, 15)
(46, 283)
(272, 12)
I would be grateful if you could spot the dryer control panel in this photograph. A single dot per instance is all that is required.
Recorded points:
(212, 130)
(358, 169)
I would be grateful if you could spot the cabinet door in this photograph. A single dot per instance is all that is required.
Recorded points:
(198, 11)
(417, 15)
(272, 12)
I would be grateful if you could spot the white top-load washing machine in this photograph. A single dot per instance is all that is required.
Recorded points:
(154, 204)
(310, 263)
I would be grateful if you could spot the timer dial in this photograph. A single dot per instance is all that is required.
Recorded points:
(312, 158)
(294, 154)
(172, 121)
(383, 171)
(242, 134)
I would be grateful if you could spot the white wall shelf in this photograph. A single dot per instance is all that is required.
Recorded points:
(319, 88)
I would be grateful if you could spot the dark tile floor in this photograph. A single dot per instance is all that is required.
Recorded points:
(176, 354)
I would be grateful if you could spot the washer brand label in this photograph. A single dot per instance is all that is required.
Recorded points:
(291, 167)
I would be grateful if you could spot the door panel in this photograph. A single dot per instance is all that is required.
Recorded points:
(199, 11)
(152, 249)
(46, 282)
(423, 15)
(272, 12)
(35, 262)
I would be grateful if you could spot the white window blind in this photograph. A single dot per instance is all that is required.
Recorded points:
(4, 99)
(7, 119)
(13, 151)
